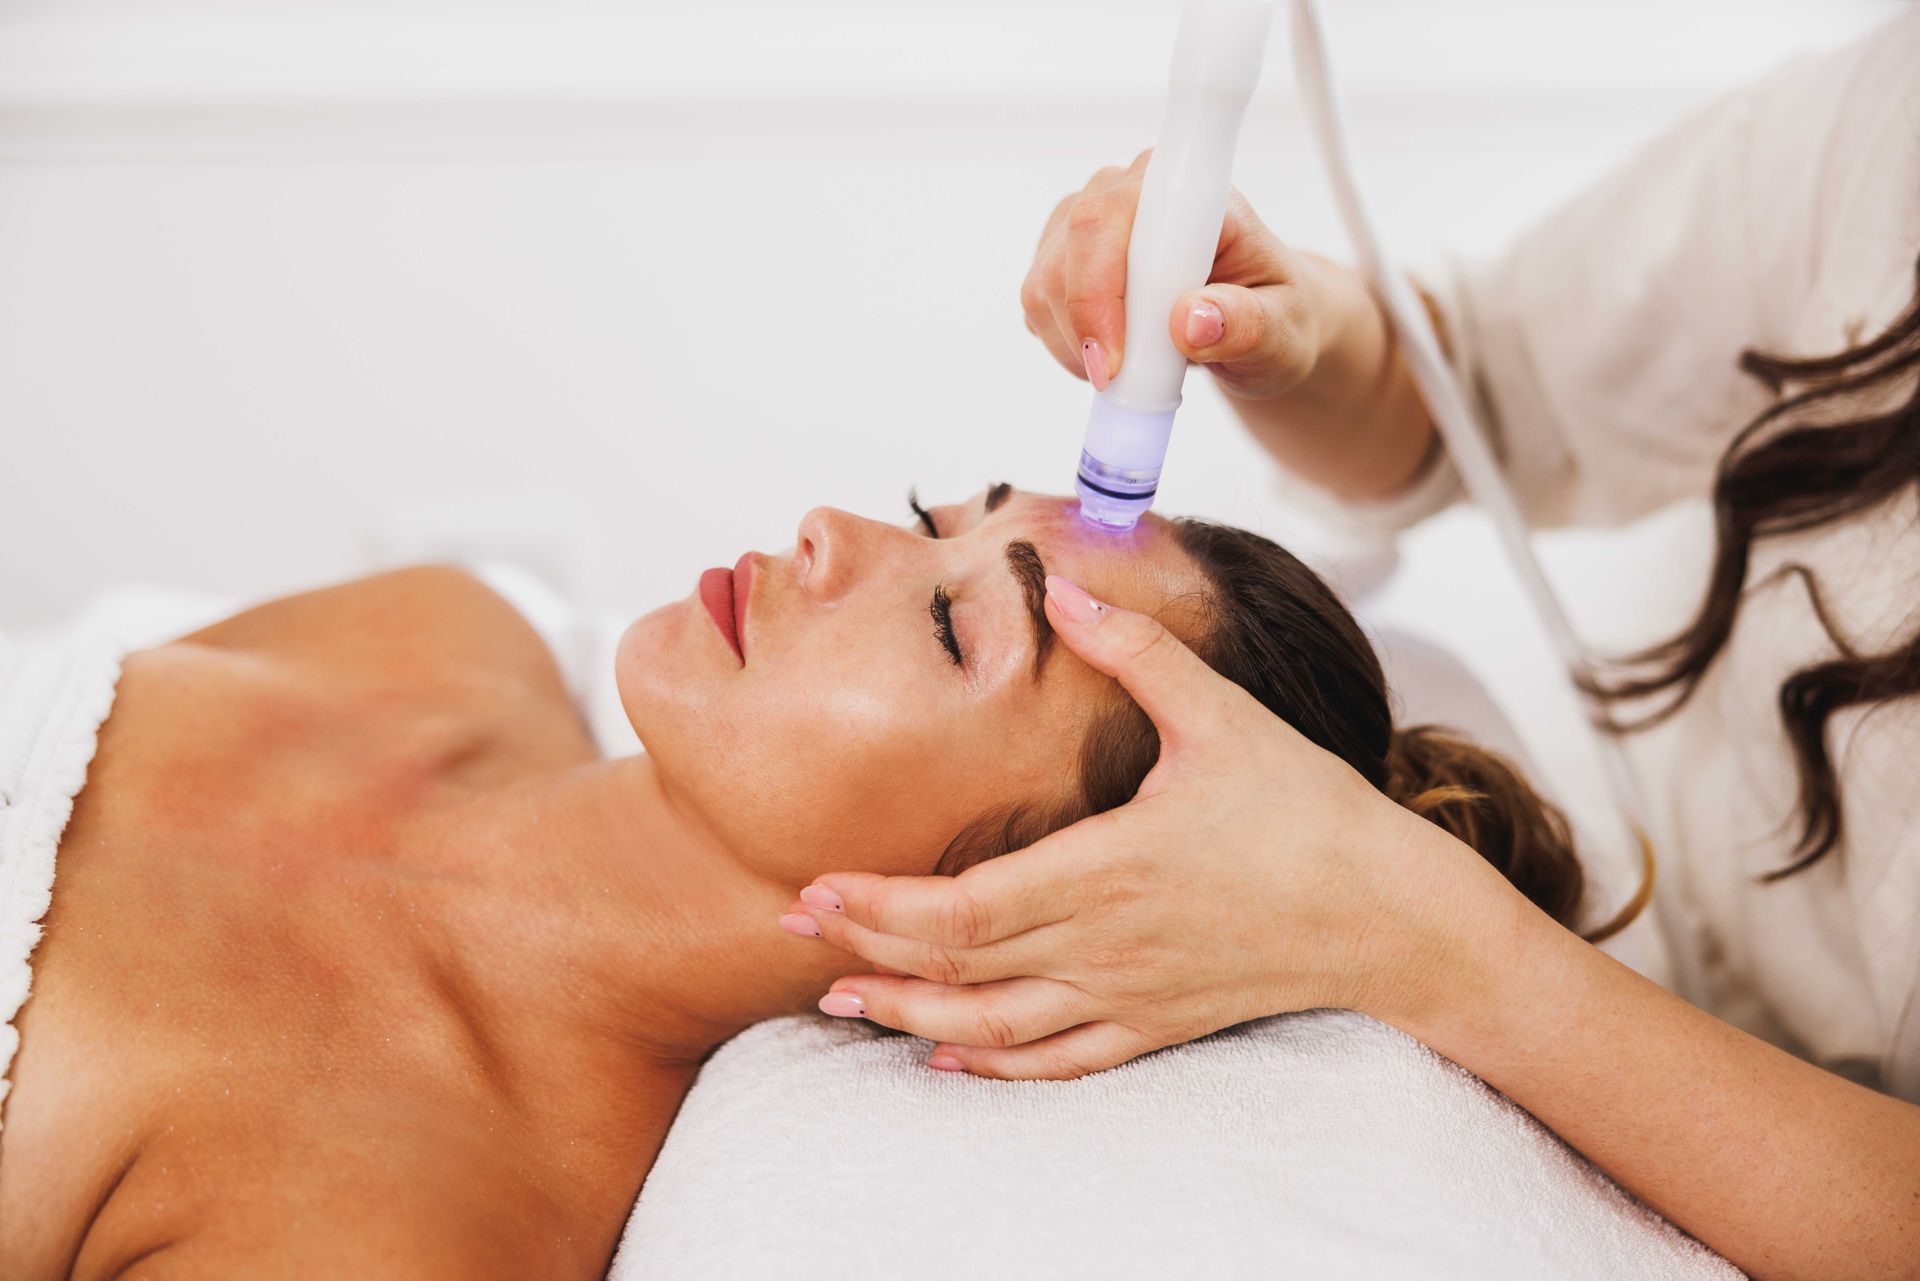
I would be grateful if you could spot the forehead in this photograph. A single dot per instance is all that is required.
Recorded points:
(1142, 569)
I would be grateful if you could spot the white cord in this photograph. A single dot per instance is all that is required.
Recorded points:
(1453, 416)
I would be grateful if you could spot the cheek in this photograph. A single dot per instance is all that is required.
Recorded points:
(849, 763)
(843, 756)
(904, 775)
(834, 755)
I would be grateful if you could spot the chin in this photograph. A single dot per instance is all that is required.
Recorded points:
(657, 669)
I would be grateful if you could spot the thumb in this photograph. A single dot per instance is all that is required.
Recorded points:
(1178, 692)
(1259, 334)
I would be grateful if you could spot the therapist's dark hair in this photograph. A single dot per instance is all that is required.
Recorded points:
(1812, 458)
(1273, 627)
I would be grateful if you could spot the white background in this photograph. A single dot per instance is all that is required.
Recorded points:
(286, 289)
(290, 291)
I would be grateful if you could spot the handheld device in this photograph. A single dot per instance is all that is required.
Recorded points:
(1176, 228)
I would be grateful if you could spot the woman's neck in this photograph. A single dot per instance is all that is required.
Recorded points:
(592, 894)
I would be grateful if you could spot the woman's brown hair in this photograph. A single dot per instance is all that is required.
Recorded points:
(1277, 631)
(1274, 628)
(1799, 466)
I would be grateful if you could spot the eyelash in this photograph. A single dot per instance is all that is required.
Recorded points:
(941, 611)
(926, 517)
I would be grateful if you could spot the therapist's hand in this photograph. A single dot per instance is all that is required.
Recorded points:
(1260, 323)
(1253, 873)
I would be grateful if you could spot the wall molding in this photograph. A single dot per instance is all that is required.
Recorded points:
(200, 79)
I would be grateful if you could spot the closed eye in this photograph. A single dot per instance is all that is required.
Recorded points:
(926, 517)
(941, 611)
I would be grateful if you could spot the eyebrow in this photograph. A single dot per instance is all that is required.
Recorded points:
(1028, 570)
(997, 494)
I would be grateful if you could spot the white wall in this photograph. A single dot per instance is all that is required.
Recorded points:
(285, 290)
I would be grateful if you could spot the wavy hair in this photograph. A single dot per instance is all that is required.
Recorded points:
(1801, 464)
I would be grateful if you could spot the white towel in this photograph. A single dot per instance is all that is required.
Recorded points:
(1320, 1145)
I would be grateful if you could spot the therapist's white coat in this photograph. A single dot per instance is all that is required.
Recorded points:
(1603, 346)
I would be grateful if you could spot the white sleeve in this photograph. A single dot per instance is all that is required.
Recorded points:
(1601, 348)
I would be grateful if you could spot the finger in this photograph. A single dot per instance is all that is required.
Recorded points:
(1024, 954)
(1091, 1047)
(1054, 324)
(990, 1014)
(1043, 324)
(1040, 885)
(1094, 269)
(1090, 234)
(1073, 362)
(1048, 328)
(1248, 252)
(1188, 702)
(1103, 179)
(798, 910)
(1054, 220)
(1268, 327)
(1060, 331)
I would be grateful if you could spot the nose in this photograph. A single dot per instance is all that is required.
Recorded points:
(834, 549)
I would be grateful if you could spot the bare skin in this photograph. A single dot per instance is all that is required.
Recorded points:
(258, 1021)
(362, 962)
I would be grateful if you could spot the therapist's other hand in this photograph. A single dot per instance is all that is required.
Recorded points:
(1253, 874)
(1257, 323)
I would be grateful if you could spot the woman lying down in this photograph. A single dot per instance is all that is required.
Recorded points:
(362, 962)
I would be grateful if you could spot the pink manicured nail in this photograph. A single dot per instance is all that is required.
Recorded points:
(1073, 601)
(843, 1005)
(823, 898)
(1205, 324)
(806, 926)
(1096, 362)
(945, 1063)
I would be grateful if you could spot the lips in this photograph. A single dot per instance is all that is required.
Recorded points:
(726, 593)
(742, 596)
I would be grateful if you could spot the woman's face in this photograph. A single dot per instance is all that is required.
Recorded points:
(892, 684)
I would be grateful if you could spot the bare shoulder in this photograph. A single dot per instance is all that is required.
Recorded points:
(427, 624)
